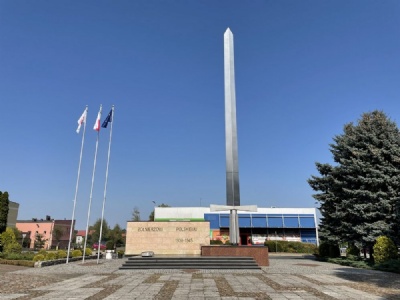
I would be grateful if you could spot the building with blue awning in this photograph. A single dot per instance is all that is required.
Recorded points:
(287, 224)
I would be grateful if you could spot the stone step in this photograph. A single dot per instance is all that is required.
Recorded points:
(202, 267)
(205, 258)
(190, 263)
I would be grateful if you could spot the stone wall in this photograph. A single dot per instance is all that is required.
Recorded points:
(259, 253)
(175, 238)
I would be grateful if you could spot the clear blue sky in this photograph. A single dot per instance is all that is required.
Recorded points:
(303, 70)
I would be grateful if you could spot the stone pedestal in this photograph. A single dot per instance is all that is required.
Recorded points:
(260, 254)
(175, 238)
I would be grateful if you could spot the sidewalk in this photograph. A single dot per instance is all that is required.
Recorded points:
(287, 277)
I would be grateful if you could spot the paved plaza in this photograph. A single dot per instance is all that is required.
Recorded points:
(287, 277)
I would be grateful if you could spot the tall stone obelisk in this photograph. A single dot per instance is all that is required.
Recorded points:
(231, 145)
(232, 169)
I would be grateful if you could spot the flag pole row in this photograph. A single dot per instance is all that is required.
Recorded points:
(96, 127)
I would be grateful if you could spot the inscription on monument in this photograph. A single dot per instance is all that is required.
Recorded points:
(184, 240)
(175, 237)
(186, 228)
(150, 229)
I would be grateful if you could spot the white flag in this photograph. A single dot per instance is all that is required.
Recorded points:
(81, 120)
(97, 124)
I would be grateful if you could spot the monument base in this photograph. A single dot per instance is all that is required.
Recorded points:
(166, 238)
(260, 254)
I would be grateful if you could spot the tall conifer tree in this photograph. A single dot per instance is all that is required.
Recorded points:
(359, 195)
(4, 207)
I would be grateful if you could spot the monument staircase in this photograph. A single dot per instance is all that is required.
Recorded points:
(190, 262)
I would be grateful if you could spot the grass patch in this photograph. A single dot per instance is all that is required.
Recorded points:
(388, 266)
(392, 265)
(18, 256)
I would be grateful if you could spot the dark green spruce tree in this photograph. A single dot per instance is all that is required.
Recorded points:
(359, 194)
(4, 203)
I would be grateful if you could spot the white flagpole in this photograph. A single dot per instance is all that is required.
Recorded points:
(91, 191)
(105, 184)
(76, 187)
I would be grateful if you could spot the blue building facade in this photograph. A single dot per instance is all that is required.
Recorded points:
(259, 226)
(287, 224)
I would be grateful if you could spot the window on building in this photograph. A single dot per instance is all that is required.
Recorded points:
(275, 221)
(307, 222)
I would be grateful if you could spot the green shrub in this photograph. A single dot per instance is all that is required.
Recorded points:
(353, 250)
(227, 242)
(110, 245)
(120, 253)
(392, 265)
(329, 250)
(361, 264)
(24, 263)
(19, 256)
(216, 242)
(273, 246)
(51, 256)
(61, 254)
(323, 250)
(88, 251)
(9, 242)
(43, 252)
(12, 247)
(76, 253)
(7, 237)
(38, 257)
(290, 247)
(384, 250)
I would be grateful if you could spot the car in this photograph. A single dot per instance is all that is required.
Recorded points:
(96, 246)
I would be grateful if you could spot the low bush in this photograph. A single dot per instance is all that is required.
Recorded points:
(19, 256)
(110, 245)
(328, 250)
(9, 242)
(384, 250)
(13, 247)
(290, 247)
(76, 253)
(61, 254)
(88, 251)
(387, 266)
(216, 242)
(43, 252)
(353, 250)
(361, 264)
(38, 257)
(51, 256)
(24, 263)
(392, 265)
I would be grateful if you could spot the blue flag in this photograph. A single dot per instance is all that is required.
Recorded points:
(107, 120)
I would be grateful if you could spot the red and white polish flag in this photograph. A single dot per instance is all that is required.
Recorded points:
(97, 124)
(81, 120)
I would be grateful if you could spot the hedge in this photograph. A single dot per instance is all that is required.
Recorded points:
(24, 263)
(290, 247)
